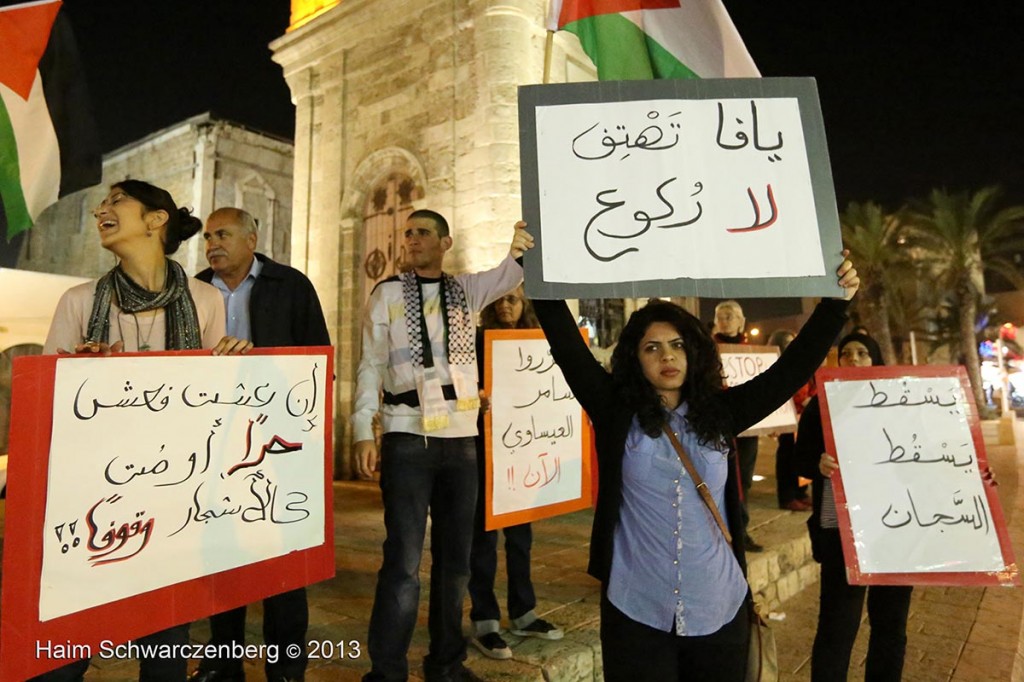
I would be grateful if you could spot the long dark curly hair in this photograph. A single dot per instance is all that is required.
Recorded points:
(703, 374)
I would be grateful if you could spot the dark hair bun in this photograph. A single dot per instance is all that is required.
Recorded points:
(181, 226)
(188, 224)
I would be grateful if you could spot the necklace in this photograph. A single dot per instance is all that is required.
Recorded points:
(143, 342)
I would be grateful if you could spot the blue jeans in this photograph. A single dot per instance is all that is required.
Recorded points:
(418, 473)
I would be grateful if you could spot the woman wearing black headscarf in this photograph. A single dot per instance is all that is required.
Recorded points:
(840, 603)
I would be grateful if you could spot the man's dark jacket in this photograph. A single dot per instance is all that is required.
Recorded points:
(283, 309)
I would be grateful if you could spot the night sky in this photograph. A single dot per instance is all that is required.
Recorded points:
(914, 95)
(153, 63)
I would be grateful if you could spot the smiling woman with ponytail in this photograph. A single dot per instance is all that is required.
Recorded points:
(144, 303)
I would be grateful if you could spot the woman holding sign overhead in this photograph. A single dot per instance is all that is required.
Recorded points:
(146, 302)
(841, 604)
(670, 559)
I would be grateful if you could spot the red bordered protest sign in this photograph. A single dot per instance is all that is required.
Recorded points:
(537, 436)
(914, 494)
(147, 490)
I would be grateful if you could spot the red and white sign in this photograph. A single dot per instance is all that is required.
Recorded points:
(914, 494)
(148, 490)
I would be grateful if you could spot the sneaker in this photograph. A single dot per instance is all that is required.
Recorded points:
(492, 645)
(540, 629)
(751, 545)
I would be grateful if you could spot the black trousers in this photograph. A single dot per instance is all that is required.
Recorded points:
(787, 480)
(746, 455)
(839, 613)
(285, 621)
(483, 562)
(634, 652)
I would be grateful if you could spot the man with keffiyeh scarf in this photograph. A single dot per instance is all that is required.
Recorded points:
(418, 346)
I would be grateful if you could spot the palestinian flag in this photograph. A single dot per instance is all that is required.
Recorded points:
(645, 39)
(48, 143)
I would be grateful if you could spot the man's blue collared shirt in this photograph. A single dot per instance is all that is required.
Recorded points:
(671, 567)
(236, 303)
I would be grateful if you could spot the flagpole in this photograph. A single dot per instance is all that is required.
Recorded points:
(554, 10)
(549, 44)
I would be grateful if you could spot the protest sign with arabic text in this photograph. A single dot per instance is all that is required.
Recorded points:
(718, 188)
(914, 494)
(152, 489)
(536, 434)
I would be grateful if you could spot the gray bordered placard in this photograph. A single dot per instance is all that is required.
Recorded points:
(534, 97)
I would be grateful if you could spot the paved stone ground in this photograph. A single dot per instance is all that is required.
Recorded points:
(958, 634)
(954, 633)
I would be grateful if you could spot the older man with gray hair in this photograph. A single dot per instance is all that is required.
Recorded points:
(267, 304)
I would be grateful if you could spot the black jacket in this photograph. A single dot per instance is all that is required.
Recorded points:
(747, 404)
(807, 451)
(284, 309)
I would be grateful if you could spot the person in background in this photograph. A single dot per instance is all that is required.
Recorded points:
(511, 311)
(674, 596)
(791, 494)
(419, 348)
(145, 303)
(269, 304)
(728, 328)
(841, 604)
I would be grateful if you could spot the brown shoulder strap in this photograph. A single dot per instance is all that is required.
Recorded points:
(702, 487)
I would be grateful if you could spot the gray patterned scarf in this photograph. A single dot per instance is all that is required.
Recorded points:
(182, 321)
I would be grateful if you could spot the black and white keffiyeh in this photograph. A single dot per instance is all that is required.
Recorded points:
(459, 345)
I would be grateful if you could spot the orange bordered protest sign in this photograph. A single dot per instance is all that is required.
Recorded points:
(537, 437)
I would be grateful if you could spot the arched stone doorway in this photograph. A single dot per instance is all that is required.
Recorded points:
(388, 204)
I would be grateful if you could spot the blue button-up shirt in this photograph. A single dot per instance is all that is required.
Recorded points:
(236, 303)
(671, 566)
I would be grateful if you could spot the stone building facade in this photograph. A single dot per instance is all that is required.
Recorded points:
(205, 163)
(403, 105)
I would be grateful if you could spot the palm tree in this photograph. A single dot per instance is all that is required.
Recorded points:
(963, 234)
(871, 236)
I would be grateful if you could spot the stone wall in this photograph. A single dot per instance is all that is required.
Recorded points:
(204, 163)
(425, 89)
